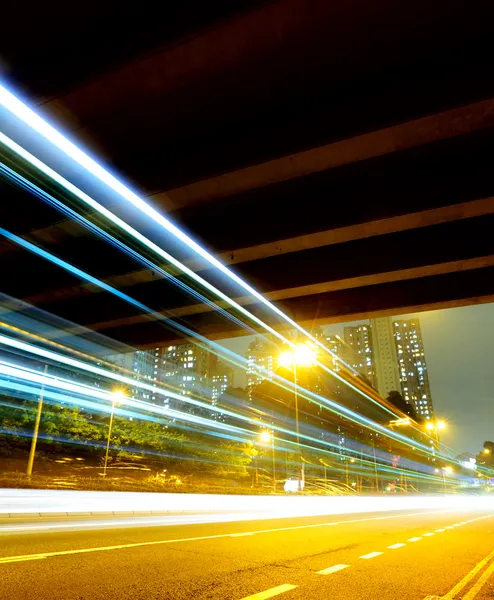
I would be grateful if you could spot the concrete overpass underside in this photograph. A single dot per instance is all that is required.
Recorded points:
(337, 155)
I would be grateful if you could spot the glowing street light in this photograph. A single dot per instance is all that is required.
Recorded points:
(435, 427)
(486, 451)
(265, 437)
(448, 470)
(302, 355)
(117, 395)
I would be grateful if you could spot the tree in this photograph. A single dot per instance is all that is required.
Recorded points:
(397, 400)
(485, 457)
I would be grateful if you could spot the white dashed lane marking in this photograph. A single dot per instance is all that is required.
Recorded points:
(333, 569)
(415, 539)
(395, 546)
(280, 589)
(370, 555)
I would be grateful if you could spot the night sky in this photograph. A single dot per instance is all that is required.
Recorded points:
(459, 349)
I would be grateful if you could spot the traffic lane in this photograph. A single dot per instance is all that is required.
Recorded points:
(429, 566)
(54, 540)
(236, 567)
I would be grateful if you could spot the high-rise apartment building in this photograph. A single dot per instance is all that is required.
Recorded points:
(359, 339)
(261, 361)
(220, 379)
(189, 370)
(184, 369)
(412, 366)
(400, 362)
(385, 359)
(139, 366)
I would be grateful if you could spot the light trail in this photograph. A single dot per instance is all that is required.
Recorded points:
(67, 211)
(33, 120)
(339, 409)
(326, 448)
(257, 295)
(122, 224)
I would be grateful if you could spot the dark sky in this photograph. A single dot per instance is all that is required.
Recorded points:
(459, 349)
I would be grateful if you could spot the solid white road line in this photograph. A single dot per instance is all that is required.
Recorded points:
(199, 538)
(395, 546)
(370, 555)
(280, 589)
(333, 569)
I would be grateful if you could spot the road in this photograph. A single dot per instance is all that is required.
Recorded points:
(383, 556)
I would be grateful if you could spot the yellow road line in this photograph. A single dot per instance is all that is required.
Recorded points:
(20, 559)
(475, 589)
(468, 577)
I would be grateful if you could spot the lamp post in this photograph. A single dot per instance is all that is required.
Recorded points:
(34, 440)
(116, 395)
(435, 427)
(300, 355)
(266, 437)
(446, 471)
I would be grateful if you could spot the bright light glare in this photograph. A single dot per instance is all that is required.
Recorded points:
(441, 425)
(118, 394)
(302, 355)
(429, 426)
(448, 470)
(486, 451)
(265, 437)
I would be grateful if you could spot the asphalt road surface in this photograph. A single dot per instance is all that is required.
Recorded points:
(385, 556)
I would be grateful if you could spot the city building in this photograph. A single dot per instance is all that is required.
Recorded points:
(190, 370)
(138, 365)
(387, 378)
(220, 380)
(261, 361)
(185, 369)
(412, 366)
(361, 358)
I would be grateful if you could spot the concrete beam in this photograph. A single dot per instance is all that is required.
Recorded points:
(436, 216)
(426, 130)
(310, 290)
(348, 317)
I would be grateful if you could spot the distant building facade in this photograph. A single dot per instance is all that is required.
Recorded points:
(414, 377)
(261, 362)
(387, 378)
(184, 369)
(359, 339)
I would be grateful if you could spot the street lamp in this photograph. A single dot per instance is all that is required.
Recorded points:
(117, 395)
(301, 355)
(486, 451)
(265, 437)
(37, 421)
(434, 427)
